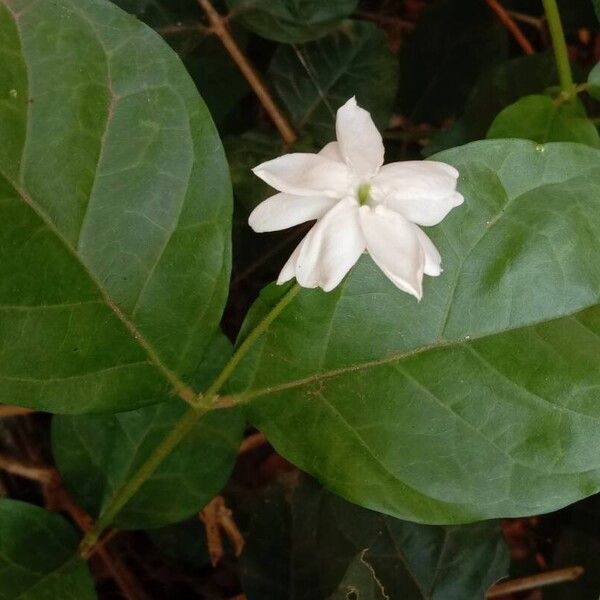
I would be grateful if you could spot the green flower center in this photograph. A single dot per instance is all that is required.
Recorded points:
(363, 193)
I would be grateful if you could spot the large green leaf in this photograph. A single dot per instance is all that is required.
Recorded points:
(115, 238)
(38, 556)
(453, 43)
(96, 454)
(315, 543)
(481, 400)
(541, 119)
(291, 20)
(315, 79)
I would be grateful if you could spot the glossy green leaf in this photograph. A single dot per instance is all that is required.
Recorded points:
(313, 80)
(594, 82)
(454, 42)
(291, 20)
(496, 89)
(96, 454)
(317, 545)
(38, 556)
(541, 119)
(115, 239)
(481, 400)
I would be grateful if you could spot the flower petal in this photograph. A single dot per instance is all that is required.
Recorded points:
(305, 174)
(360, 141)
(286, 210)
(433, 260)
(332, 151)
(331, 247)
(423, 191)
(395, 247)
(289, 269)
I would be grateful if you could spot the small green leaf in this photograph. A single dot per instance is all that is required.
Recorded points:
(97, 453)
(116, 204)
(454, 42)
(38, 556)
(481, 400)
(315, 543)
(496, 89)
(291, 20)
(542, 119)
(594, 82)
(315, 79)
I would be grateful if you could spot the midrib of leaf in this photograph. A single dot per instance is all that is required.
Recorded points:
(180, 387)
(243, 397)
(48, 576)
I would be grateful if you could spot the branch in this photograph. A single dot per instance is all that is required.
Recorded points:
(13, 411)
(219, 27)
(534, 581)
(15, 467)
(512, 27)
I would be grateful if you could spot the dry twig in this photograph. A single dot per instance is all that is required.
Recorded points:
(504, 588)
(512, 27)
(219, 27)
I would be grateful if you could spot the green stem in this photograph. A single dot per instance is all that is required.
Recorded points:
(561, 55)
(182, 427)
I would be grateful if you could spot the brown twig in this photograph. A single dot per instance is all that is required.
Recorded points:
(184, 28)
(215, 516)
(256, 440)
(219, 26)
(512, 27)
(16, 467)
(13, 411)
(536, 22)
(58, 498)
(208, 516)
(505, 588)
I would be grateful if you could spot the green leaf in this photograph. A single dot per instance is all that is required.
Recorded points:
(38, 556)
(313, 80)
(116, 202)
(541, 119)
(98, 453)
(316, 543)
(359, 582)
(496, 89)
(453, 43)
(481, 400)
(594, 82)
(291, 20)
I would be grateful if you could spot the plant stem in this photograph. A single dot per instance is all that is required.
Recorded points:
(203, 404)
(219, 26)
(561, 54)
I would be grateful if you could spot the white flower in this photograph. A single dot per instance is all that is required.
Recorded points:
(359, 205)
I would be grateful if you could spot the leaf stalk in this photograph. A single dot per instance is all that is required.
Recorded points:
(203, 403)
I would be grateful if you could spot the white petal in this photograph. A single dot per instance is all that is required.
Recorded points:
(423, 191)
(331, 247)
(433, 260)
(332, 151)
(286, 210)
(289, 269)
(394, 245)
(360, 141)
(305, 175)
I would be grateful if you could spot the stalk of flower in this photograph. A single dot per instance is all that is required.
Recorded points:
(359, 205)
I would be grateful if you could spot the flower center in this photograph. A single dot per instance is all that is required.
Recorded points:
(364, 189)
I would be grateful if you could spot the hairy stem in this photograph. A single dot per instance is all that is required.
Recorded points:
(202, 405)
(561, 54)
